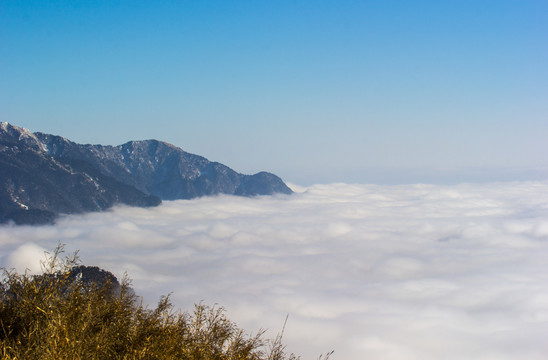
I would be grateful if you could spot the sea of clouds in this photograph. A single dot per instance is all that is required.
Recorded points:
(372, 272)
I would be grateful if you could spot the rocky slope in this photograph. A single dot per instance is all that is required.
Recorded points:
(42, 175)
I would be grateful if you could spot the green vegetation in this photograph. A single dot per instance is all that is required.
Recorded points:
(58, 316)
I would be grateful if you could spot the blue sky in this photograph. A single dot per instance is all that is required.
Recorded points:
(314, 91)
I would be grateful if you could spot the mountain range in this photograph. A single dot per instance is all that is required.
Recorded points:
(43, 175)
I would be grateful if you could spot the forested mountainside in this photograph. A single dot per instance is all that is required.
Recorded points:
(43, 175)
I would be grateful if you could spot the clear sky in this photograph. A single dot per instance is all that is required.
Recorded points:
(314, 91)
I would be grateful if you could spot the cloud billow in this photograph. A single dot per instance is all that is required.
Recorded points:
(374, 272)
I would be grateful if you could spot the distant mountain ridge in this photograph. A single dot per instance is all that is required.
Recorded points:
(43, 175)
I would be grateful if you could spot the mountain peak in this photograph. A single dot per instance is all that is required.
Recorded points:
(20, 134)
(49, 174)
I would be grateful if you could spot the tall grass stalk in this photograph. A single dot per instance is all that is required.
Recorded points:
(58, 316)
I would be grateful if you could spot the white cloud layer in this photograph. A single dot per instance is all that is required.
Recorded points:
(373, 272)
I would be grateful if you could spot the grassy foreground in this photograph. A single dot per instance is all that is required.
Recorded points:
(58, 316)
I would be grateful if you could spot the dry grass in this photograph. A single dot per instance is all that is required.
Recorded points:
(57, 316)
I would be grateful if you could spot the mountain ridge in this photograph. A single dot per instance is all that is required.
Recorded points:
(137, 173)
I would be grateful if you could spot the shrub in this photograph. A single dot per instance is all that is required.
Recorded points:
(65, 314)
